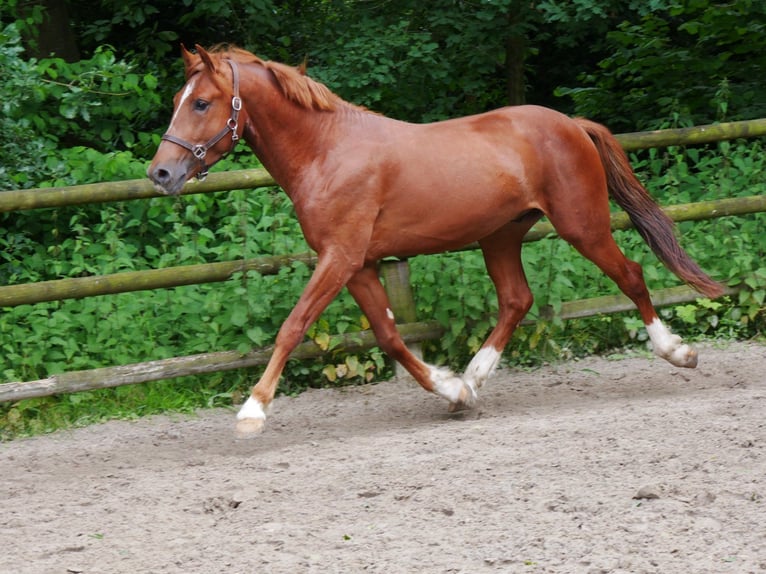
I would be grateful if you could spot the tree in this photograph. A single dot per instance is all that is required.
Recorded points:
(629, 64)
(686, 63)
(51, 32)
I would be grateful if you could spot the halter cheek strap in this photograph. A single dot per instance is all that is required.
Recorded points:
(200, 150)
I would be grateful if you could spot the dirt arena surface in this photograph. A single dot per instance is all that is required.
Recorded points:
(593, 466)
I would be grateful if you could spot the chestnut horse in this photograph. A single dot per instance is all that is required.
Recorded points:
(366, 187)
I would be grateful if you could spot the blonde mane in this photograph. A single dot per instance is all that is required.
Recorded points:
(293, 82)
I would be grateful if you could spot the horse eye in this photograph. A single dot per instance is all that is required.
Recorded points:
(200, 105)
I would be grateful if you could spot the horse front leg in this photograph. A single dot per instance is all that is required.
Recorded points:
(328, 279)
(367, 290)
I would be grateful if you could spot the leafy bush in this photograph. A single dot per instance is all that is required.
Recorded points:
(694, 62)
(88, 122)
(54, 111)
(44, 339)
(21, 149)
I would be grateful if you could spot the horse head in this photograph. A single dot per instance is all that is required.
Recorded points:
(205, 123)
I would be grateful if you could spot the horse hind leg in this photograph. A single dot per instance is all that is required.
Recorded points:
(502, 256)
(630, 279)
(595, 242)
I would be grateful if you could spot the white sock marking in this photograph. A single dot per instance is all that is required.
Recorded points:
(669, 346)
(482, 366)
(446, 384)
(663, 341)
(252, 409)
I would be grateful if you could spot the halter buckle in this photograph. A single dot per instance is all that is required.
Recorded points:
(199, 151)
(232, 125)
(236, 103)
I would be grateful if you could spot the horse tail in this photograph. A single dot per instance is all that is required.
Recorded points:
(652, 223)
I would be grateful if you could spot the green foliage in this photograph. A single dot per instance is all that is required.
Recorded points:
(100, 101)
(694, 62)
(140, 25)
(21, 149)
(657, 63)
(403, 62)
(47, 105)
(40, 340)
(627, 63)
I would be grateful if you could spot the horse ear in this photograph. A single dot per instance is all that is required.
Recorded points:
(206, 58)
(190, 60)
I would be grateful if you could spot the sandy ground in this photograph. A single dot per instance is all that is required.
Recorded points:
(590, 466)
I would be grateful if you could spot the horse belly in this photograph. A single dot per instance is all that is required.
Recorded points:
(447, 211)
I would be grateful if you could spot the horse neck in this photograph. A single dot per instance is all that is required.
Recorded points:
(286, 137)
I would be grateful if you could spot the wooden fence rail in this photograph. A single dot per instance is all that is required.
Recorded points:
(106, 377)
(127, 281)
(20, 200)
(396, 273)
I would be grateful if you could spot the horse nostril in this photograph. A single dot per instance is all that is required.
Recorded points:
(161, 175)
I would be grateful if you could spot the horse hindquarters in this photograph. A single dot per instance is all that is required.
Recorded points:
(579, 211)
(654, 226)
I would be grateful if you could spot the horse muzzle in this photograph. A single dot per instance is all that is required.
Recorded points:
(167, 179)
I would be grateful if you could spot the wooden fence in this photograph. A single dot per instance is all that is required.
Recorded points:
(396, 273)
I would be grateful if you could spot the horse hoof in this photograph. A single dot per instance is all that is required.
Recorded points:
(684, 356)
(249, 428)
(457, 407)
(466, 400)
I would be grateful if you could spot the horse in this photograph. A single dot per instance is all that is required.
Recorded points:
(365, 187)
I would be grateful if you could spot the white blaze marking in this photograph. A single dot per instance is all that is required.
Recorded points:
(482, 366)
(390, 313)
(252, 409)
(186, 93)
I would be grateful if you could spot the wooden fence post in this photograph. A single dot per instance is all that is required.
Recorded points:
(396, 279)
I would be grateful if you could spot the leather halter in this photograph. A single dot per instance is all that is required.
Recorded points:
(200, 150)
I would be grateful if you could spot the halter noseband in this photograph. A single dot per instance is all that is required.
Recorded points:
(200, 150)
